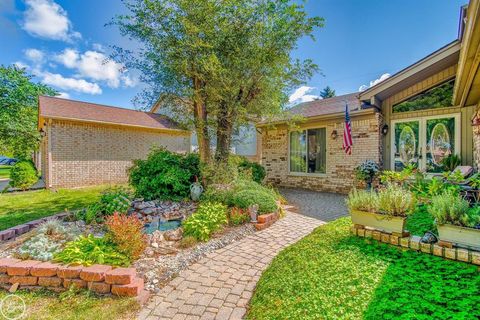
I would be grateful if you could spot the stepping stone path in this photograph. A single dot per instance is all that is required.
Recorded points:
(221, 285)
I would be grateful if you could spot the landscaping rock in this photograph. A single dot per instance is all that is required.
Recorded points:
(173, 235)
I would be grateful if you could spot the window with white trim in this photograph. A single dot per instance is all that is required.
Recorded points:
(308, 151)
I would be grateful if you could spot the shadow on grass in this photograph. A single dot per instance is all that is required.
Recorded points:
(416, 285)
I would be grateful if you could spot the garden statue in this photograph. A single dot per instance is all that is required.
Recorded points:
(253, 212)
(196, 190)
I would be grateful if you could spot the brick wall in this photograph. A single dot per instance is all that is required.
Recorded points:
(85, 154)
(339, 176)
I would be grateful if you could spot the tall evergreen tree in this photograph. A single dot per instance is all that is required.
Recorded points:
(327, 92)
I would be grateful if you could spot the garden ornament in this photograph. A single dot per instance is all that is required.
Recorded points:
(429, 237)
(196, 190)
(253, 212)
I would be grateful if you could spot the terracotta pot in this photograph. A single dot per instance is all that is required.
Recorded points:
(460, 236)
(378, 221)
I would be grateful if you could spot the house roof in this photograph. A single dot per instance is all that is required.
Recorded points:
(63, 109)
(431, 64)
(327, 106)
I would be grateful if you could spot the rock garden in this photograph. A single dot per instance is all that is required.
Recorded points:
(161, 223)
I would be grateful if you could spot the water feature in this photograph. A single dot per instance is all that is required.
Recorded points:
(162, 225)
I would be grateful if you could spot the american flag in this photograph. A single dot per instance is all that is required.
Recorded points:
(347, 133)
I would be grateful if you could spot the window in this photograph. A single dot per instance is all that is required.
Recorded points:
(308, 151)
(437, 97)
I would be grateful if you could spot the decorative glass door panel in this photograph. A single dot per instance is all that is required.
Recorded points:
(425, 142)
(440, 142)
(407, 144)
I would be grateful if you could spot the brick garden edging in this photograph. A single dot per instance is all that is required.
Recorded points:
(101, 279)
(16, 231)
(413, 243)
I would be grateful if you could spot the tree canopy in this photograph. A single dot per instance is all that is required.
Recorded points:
(19, 111)
(216, 64)
(327, 92)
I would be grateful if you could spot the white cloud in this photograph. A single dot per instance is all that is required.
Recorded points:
(34, 55)
(68, 58)
(96, 66)
(79, 85)
(374, 82)
(46, 19)
(63, 95)
(301, 95)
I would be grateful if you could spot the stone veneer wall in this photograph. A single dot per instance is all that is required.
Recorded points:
(476, 139)
(85, 154)
(339, 176)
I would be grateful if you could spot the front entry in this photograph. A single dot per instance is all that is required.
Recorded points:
(425, 142)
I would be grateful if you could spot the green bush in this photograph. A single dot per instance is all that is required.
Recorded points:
(258, 171)
(115, 200)
(222, 193)
(209, 217)
(164, 175)
(23, 175)
(265, 200)
(362, 200)
(449, 208)
(90, 250)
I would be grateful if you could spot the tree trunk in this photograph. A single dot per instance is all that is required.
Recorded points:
(224, 136)
(200, 118)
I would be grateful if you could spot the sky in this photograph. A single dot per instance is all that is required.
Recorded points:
(65, 44)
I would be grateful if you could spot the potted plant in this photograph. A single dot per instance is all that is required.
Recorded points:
(385, 211)
(366, 172)
(457, 223)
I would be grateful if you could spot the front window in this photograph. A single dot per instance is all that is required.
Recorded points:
(308, 151)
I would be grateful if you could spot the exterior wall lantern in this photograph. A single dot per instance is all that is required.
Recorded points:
(334, 134)
(385, 129)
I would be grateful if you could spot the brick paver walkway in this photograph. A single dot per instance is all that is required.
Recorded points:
(220, 285)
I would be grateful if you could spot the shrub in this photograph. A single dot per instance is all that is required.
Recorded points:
(450, 162)
(396, 201)
(238, 216)
(209, 218)
(23, 175)
(90, 250)
(263, 198)
(453, 209)
(49, 239)
(367, 170)
(115, 200)
(362, 200)
(257, 170)
(222, 193)
(126, 232)
(164, 175)
(188, 242)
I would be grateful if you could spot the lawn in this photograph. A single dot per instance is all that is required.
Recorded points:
(331, 274)
(21, 207)
(4, 172)
(43, 305)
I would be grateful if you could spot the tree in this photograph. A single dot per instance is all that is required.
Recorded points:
(19, 111)
(327, 92)
(216, 64)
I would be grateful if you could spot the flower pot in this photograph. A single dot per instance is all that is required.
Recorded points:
(460, 236)
(380, 222)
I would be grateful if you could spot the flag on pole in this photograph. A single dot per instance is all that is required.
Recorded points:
(347, 133)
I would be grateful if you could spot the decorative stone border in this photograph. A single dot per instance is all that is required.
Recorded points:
(413, 243)
(16, 231)
(101, 279)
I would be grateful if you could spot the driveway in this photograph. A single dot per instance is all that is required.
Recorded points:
(39, 185)
(320, 205)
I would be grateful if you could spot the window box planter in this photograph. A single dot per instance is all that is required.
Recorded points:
(460, 236)
(378, 221)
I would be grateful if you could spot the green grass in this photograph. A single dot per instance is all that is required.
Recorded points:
(21, 207)
(4, 172)
(43, 305)
(331, 274)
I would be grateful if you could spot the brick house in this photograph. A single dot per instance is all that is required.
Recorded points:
(89, 144)
(418, 116)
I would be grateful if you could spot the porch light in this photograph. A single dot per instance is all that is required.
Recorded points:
(334, 134)
(385, 129)
(42, 133)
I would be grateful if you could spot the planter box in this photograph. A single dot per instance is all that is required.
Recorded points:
(378, 221)
(460, 236)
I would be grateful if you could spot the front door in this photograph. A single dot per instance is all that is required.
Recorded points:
(425, 142)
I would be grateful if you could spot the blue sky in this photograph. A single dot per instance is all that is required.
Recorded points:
(66, 45)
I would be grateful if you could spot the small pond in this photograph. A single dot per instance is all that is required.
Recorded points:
(162, 225)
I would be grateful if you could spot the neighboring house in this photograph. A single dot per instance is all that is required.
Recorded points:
(417, 116)
(244, 142)
(90, 144)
